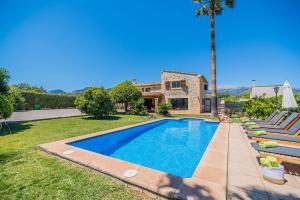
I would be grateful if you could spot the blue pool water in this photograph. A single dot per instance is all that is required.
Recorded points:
(171, 146)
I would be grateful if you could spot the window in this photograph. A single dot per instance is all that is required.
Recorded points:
(147, 89)
(180, 103)
(205, 87)
(176, 84)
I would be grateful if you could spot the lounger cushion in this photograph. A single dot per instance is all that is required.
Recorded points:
(287, 151)
(276, 137)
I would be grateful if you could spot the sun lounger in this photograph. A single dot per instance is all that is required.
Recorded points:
(273, 122)
(268, 119)
(280, 139)
(283, 154)
(294, 130)
(285, 124)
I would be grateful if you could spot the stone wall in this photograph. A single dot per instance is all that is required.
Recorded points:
(194, 89)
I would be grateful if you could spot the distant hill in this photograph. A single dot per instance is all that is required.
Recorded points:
(235, 91)
(58, 91)
(80, 91)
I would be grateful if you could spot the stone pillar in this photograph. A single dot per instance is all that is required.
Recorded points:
(156, 103)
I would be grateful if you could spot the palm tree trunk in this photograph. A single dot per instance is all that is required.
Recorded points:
(214, 107)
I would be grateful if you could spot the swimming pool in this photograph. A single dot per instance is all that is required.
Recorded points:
(171, 146)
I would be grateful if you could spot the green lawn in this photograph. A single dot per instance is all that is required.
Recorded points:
(28, 173)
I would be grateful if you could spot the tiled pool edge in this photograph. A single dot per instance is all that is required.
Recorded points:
(209, 179)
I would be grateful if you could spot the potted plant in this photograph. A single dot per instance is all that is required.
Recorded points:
(272, 171)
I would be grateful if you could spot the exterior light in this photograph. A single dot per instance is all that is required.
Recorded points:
(276, 90)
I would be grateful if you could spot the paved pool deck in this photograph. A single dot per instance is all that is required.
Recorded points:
(244, 177)
(228, 170)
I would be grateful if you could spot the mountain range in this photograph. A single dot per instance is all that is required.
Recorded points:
(235, 91)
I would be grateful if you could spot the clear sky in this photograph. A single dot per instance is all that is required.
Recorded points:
(71, 44)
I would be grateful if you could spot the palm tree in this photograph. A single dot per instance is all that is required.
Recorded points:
(212, 8)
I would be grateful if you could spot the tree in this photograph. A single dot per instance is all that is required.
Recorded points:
(6, 107)
(4, 78)
(95, 101)
(29, 88)
(16, 97)
(125, 93)
(212, 8)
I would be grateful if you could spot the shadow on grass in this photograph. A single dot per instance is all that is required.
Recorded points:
(13, 128)
(7, 157)
(112, 117)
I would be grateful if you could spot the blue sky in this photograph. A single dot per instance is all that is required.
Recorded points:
(73, 44)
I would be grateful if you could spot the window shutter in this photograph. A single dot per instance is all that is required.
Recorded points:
(167, 85)
(183, 83)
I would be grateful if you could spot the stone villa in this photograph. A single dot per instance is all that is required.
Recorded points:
(185, 91)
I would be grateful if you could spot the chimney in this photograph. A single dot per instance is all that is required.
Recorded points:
(253, 83)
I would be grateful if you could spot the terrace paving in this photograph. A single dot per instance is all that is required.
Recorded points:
(228, 170)
(244, 177)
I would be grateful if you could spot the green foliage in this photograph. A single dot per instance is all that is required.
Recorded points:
(17, 99)
(6, 107)
(28, 173)
(137, 107)
(96, 102)
(4, 78)
(218, 7)
(261, 107)
(125, 93)
(29, 88)
(297, 97)
(46, 100)
(164, 108)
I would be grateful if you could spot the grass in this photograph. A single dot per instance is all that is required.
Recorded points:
(28, 173)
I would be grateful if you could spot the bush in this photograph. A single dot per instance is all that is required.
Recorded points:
(125, 93)
(95, 101)
(45, 100)
(6, 107)
(17, 99)
(137, 107)
(163, 108)
(261, 107)
(4, 78)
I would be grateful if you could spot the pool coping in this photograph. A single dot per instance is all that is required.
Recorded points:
(208, 181)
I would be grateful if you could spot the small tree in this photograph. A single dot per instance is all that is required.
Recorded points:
(137, 107)
(95, 101)
(125, 93)
(4, 78)
(6, 107)
(16, 97)
(163, 108)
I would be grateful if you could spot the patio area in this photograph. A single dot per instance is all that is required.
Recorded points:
(244, 177)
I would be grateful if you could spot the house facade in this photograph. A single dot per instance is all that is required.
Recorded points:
(265, 91)
(185, 91)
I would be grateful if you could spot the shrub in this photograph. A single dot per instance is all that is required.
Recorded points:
(29, 88)
(137, 107)
(45, 100)
(4, 78)
(261, 107)
(6, 107)
(17, 99)
(95, 101)
(125, 93)
(163, 108)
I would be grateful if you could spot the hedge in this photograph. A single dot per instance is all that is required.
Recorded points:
(47, 101)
